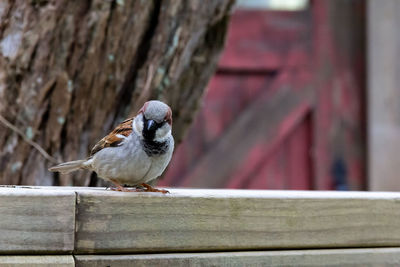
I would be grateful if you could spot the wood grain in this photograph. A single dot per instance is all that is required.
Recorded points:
(36, 221)
(223, 220)
(332, 257)
(37, 261)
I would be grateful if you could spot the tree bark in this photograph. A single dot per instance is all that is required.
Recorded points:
(72, 70)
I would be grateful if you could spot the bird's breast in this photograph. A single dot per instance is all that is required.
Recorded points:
(134, 161)
(154, 148)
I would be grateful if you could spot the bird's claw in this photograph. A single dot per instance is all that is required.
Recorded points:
(149, 188)
(146, 188)
(122, 189)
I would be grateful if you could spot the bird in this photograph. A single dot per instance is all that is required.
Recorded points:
(136, 152)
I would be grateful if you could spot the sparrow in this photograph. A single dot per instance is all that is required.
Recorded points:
(136, 152)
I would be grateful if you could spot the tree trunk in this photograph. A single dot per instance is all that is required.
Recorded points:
(71, 70)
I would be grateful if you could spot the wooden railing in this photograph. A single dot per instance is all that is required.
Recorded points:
(97, 227)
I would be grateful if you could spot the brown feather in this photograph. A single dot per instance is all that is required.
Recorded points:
(168, 117)
(112, 140)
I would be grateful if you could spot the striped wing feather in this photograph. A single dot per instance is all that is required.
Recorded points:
(112, 139)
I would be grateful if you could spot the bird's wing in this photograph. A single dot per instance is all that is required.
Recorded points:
(115, 137)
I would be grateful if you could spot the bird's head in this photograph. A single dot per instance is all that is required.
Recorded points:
(154, 121)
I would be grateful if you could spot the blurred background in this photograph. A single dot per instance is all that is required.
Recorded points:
(286, 108)
(302, 96)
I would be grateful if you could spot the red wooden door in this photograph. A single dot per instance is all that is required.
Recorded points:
(284, 110)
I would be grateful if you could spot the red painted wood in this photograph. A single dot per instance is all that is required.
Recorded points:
(292, 144)
(267, 40)
(314, 147)
(230, 92)
(226, 97)
(299, 146)
(339, 119)
(246, 88)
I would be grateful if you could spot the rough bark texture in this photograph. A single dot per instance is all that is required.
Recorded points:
(71, 70)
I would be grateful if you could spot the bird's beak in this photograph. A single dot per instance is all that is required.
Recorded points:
(150, 126)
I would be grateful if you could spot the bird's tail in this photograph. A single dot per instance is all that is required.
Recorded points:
(69, 166)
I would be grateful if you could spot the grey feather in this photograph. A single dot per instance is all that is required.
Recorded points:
(70, 166)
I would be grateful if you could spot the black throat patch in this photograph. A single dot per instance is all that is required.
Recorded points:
(154, 148)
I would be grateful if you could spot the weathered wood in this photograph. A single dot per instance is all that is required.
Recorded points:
(221, 220)
(250, 127)
(383, 95)
(36, 221)
(331, 257)
(277, 40)
(321, 47)
(37, 261)
(338, 137)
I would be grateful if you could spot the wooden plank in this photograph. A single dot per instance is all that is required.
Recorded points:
(331, 257)
(223, 220)
(36, 220)
(383, 94)
(37, 261)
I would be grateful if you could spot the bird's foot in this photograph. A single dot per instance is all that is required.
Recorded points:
(120, 188)
(123, 189)
(149, 188)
